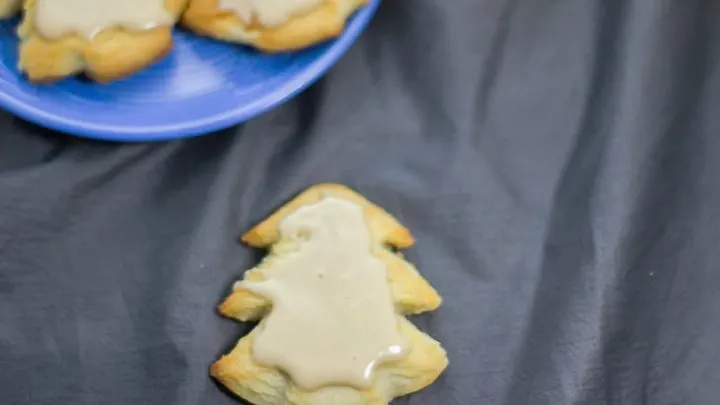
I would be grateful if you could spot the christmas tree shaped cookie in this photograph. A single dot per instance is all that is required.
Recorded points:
(330, 298)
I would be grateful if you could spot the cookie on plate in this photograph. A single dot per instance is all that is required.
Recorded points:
(105, 40)
(330, 298)
(270, 25)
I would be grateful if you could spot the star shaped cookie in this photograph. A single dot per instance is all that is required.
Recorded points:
(112, 53)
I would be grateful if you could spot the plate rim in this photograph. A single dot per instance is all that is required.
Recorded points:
(223, 120)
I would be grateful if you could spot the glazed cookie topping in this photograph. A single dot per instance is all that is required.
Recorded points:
(269, 13)
(86, 18)
(333, 318)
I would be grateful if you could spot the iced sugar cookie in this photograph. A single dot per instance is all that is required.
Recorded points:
(270, 25)
(331, 298)
(107, 40)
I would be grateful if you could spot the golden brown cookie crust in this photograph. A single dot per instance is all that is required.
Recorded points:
(324, 23)
(113, 54)
(411, 292)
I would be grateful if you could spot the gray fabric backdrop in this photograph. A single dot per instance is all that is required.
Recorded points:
(556, 159)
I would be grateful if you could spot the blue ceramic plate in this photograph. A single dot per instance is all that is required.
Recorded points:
(202, 86)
